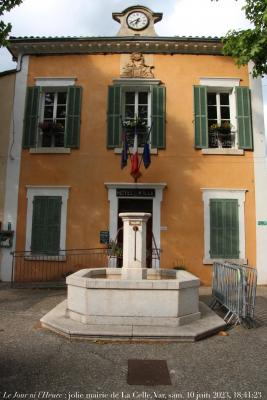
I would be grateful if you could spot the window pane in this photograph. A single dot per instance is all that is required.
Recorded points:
(224, 99)
(59, 140)
(129, 97)
(48, 112)
(211, 99)
(142, 97)
(61, 112)
(62, 98)
(49, 98)
(60, 125)
(212, 122)
(129, 112)
(225, 112)
(212, 112)
(142, 111)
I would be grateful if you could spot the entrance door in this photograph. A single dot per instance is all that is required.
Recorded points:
(137, 205)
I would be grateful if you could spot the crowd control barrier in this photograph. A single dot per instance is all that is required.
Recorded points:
(234, 287)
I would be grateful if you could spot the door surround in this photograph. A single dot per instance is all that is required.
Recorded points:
(113, 206)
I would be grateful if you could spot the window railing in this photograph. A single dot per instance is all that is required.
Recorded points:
(221, 139)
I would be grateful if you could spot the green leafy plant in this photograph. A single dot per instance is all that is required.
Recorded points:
(6, 5)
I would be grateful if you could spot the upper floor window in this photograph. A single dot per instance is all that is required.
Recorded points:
(142, 104)
(222, 117)
(219, 120)
(136, 115)
(52, 117)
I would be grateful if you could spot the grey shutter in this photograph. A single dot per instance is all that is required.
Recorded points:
(201, 117)
(244, 125)
(46, 222)
(158, 136)
(31, 117)
(114, 117)
(73, 121)
(224, 228)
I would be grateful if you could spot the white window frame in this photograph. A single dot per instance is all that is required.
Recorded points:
(43, 91)
(54, 84)
(224, 85)
(235, 194)
(61, 191)
(136, 90)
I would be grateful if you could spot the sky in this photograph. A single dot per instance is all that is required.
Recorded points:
(94, 18)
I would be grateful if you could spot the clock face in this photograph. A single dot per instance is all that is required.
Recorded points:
(137, 20)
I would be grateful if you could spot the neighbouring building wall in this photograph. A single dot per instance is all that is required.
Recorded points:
(13, 165)
(184, 169)
(7, 82)
(260, 167)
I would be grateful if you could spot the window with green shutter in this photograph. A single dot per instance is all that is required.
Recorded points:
(137, 109)
(46, 221)
(52, 117)
(224, 228)
(217, 123)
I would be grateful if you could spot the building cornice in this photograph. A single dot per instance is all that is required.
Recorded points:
(113, 45)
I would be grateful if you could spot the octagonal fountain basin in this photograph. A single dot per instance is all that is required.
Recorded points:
(166, 298)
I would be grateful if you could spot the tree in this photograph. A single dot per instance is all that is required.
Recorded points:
(6, 5)
(250, 44)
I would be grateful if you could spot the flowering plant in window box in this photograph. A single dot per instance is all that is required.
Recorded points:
(137, 123)
(220, 135)
(51, 127)
(224, 128)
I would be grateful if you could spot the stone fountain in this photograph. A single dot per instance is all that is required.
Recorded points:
(133, 302)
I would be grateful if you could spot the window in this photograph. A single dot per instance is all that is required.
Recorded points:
(222, 115)
(136, 112)
(224, 226)
(128, 102)
(219, 120)
(46, 219)
(52, 117)
(46, 216)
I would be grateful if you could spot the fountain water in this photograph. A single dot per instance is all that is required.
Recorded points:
(132, 301)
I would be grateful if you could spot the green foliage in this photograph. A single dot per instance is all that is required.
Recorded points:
(250, 44)
(6, 5)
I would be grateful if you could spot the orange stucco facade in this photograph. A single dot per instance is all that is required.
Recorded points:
(184, 169)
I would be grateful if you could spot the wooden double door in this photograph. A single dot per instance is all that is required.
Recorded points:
(137, 205)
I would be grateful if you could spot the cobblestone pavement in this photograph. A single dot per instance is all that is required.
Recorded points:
(37, 364)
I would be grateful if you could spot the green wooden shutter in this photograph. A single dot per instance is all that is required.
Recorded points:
(72, 137)
(31, 117)
(201, 117)
(158, 136)
(224, 228)
(244, 125)
(114, 117)
(46, 221)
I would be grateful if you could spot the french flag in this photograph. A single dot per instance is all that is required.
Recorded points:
(134, 160)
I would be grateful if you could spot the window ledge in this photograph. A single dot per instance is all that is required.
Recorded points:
(235, 260)
(118, 150)
(50, 150)
(226, 152)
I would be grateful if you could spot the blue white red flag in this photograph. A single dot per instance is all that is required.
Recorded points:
(146, 155)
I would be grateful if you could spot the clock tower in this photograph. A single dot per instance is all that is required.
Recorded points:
(137, 21)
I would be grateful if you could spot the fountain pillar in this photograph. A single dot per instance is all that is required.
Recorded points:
(134, 245)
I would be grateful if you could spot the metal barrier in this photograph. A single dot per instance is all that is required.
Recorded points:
(234, 287)
(28, 267)
(43, 269)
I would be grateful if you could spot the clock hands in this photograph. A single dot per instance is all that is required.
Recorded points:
(135, 21)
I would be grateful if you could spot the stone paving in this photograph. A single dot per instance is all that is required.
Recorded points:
(38, 364)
